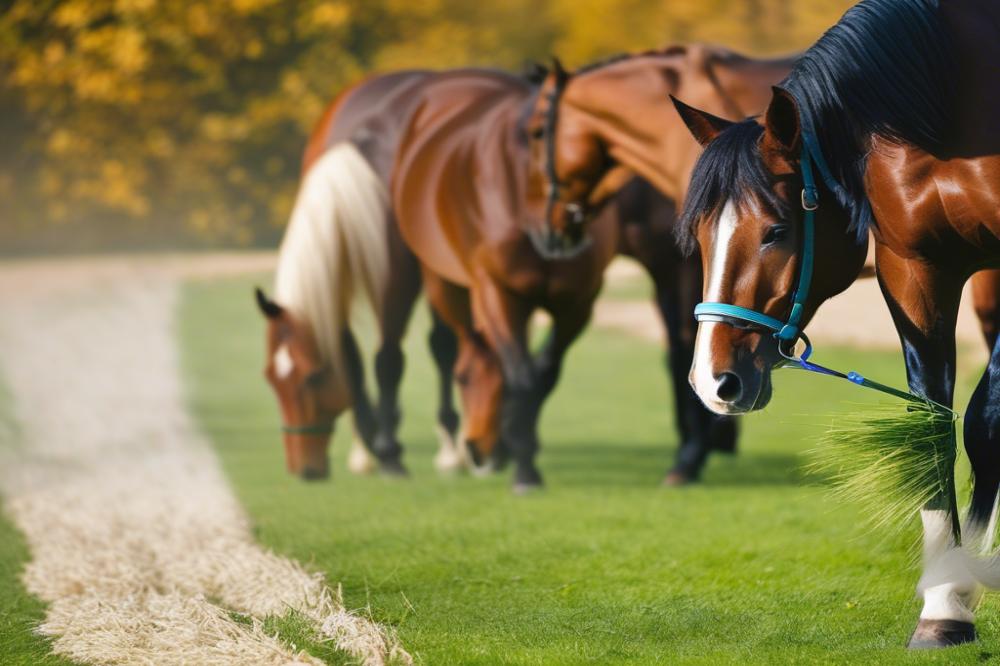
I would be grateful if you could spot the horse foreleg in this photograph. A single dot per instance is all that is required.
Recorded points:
(399, 297)
(475, 369)
(503, 319)
(924, 306)
(986, 303)
(444, 350)
(527, 381)
(360, 459)
(982, 423)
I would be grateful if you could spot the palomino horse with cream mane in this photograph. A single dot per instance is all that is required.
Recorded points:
(895, 110)
(401, 149)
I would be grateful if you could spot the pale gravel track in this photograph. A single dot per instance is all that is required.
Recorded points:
(138, 544)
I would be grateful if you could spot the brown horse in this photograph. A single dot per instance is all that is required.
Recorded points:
(424, 134)
(896, 109)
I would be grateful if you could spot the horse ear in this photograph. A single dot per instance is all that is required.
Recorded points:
(266, 305)
(703, 125)
(562, 76)
(782, 124)
(535, 72)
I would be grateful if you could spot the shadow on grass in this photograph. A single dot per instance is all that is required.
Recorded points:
(596, 464)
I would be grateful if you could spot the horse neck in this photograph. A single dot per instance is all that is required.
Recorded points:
(628, 104)
(627, 107)
(746, 81)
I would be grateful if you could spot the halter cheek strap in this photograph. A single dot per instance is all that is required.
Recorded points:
(309, 429)
(790, 330)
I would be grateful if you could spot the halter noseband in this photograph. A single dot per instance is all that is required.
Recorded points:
(787, 332)
(554, 244)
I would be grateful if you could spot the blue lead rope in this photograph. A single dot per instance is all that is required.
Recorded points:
(788, 332)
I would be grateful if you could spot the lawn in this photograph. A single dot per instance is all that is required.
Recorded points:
(755, 565)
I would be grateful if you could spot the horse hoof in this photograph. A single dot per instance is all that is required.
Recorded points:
(931, 634)
(487, 469)
(448, 462)
(394, 468)
(527, 481)
(360, 461)
(677, 479)
(521, 488)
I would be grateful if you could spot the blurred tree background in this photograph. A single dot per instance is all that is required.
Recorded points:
(180, 123)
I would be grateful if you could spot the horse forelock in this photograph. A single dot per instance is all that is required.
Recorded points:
(730, 169)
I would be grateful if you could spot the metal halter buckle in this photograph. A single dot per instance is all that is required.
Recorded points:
(808, 206)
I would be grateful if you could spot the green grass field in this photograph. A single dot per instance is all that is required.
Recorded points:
(756, 565)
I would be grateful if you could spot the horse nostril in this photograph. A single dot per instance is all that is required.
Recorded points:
(730, 387)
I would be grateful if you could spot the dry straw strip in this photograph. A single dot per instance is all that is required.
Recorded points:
(138, 544)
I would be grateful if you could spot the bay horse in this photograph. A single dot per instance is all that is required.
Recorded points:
(895, 109)
(390, 123)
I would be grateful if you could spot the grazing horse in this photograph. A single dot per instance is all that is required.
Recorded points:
(418, 134)
(894, 114)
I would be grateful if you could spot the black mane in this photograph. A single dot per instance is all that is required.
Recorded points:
(730, 168)
(886, 68)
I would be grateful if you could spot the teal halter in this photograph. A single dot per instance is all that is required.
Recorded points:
(789, 331)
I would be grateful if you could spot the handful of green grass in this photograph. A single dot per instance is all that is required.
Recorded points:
(894, 458)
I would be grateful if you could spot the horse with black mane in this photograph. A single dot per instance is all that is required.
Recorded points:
(443, 180)
(895, 110)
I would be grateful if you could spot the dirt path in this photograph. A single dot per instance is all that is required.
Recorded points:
(138, 544)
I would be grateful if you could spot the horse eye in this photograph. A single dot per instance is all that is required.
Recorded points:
(775, 234)
(538, 133)
(316, 378)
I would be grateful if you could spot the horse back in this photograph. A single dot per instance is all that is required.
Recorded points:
(372, 115)
(458, 184)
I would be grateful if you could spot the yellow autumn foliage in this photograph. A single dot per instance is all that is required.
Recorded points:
(130, 123)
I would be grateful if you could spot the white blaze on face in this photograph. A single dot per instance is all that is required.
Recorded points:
(703, 375)
(283, 363)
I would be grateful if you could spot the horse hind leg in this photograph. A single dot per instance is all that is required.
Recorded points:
(444, 349)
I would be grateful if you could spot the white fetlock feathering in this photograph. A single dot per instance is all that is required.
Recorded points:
(949, 588)
(360, 461)
(449, 458)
